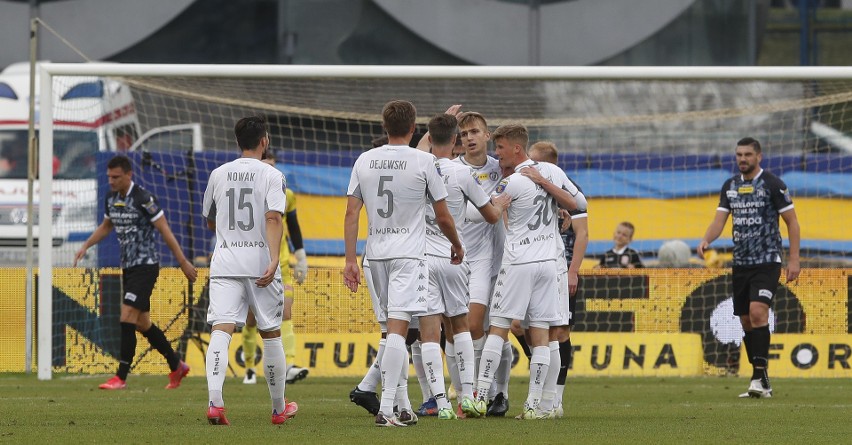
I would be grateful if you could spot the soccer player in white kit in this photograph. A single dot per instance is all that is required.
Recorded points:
(484, 244)
(567, 278)
(448, 284)
(243, 203)
(526, 284)
(394, 183)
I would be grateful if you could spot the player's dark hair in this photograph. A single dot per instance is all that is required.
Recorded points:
(379, 141)
(398, 117)
(122, 162)
(442, 128)
(630, 226)
(250, 130)
(749, 141)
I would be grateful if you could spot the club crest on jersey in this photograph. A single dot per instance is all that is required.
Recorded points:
(438, 167)
(151, 207)
(501, 186)
(494, 176)
(746, 189)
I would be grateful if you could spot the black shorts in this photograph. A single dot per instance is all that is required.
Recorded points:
(754, 283)
(138, 284)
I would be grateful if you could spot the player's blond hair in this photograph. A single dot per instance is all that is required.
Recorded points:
(547, 149)
(514, 132)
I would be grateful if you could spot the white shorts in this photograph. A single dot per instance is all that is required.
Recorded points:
(564, 297)
(381, 315)
(448, 292)
(231, 298)
(480, 283)
(527, 292)
(401, 285)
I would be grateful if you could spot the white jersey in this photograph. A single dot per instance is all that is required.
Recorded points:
(462, 186)
(558, 177)
(396, 183)
(237, 198)
(532, 230)
(480, 235)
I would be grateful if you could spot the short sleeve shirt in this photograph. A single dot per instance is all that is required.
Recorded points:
(755, 206)
(396, 183)
(479, 236)
(462, 186)
(238, 196)
(133, 216)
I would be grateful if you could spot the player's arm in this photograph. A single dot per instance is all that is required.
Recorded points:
(166, 232)
(563, 198)
(581, 242)
(713, 231)
(448, 227)
(99, 234)
(794, 234)
(351, 273)
(300, 272)
(274, 233)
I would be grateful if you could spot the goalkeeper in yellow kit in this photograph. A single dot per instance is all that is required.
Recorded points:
(300, 271)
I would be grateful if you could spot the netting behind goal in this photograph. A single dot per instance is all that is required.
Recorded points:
(652, 152)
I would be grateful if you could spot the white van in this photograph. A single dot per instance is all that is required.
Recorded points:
(91, 115)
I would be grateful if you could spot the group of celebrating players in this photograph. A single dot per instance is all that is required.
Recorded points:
(466, 246)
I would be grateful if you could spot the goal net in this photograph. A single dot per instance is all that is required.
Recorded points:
(648, 146)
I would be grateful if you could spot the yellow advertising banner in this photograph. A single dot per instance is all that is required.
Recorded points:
(327, 355)
(807, 355)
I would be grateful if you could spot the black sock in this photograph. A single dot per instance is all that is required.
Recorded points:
(760, 348)
(747, 341)
(523, 342)
(565, 359)
(128, 349)
(158, 340)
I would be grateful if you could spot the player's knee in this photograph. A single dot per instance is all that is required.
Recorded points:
(501, 322)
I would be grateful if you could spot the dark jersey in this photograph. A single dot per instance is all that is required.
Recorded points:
(133, 217)
(754, 206)
(569, 237)
(614, 259)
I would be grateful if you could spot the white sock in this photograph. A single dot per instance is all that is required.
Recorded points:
(391, 365)
(373, 377)
(402, 400)
(275, 370)
(478, 346)
(488, 365)
(501, 377)
(417, 361)
(548, 395)
(539, 363)
(466, 362)
(217, 365)
(434, 367)
(560, 393)
(453, 367)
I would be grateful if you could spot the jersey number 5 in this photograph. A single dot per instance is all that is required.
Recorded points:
(388, 211)
(243, 204)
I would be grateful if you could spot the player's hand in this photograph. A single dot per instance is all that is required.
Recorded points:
(300, 272)
(352, 276)
(80, 254)
(573, 281)
(189, 270)
(566, 220)
(793, 270)
(702, 246)
(501, 201)
(534, 175)
(454, 110)
(268, 275)
(456, 254)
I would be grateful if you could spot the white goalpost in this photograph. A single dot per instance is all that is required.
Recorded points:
(648, 144)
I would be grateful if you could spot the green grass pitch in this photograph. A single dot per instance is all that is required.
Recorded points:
(70, 409)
